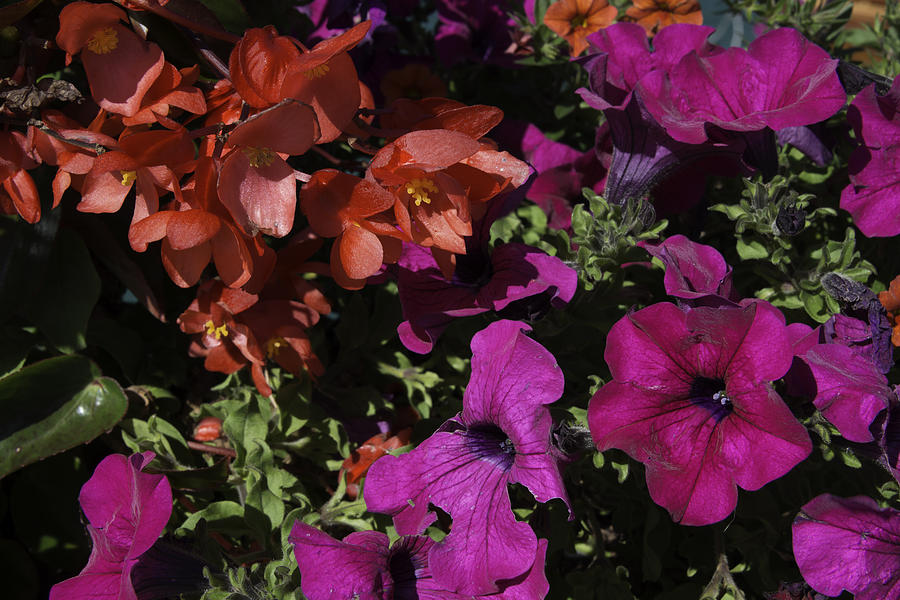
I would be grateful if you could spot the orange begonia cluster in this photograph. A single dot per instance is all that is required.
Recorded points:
(211, 171)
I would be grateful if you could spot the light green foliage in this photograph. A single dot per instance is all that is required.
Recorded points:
(606, 234)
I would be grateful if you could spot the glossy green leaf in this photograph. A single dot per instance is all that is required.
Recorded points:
(54, 405)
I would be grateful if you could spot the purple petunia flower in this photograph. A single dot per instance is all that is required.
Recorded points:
(781, 80)
(693, 271)
(691, 399)
(502, 436)
(849, 544)
(127, 511)
(873, 196)
(363, 566)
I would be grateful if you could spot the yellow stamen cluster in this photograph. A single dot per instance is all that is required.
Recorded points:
(274, 346)
(259, 157)
(317, 72)
(103, 41)
(220, 331)
(418, 188)
(128, 177)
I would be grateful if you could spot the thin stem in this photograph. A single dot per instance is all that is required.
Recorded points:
(212, 449)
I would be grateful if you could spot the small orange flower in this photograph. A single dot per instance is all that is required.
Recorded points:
(890, 299)
(653, 15)
(574, 20)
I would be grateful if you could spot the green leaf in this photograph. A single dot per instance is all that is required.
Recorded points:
(63, 303)
(68, 404)
(749, 249)
(224, 516)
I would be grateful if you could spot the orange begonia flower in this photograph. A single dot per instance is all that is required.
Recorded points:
(574, 20)
(197, 231)
(146, 160)
(234, 329)
(653, 15)
(256, 185)
(72, 160)
(120, 66)
(173, 88)
(326, 79)
(258, 65)
(431, 205)
(18, 193)
(406, 115)
(340, 205)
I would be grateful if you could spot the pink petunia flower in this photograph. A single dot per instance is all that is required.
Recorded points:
(127, 510)
(849, 544)
(691, 398)
(502, 436)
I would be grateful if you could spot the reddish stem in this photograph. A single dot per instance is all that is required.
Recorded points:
(212, 449)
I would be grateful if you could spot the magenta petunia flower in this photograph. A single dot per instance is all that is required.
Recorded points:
(693, 271)
(643, 153)
(562, 173)
(781, 80)
(363, 566)
(691, 398)
(127, 511)
(502, 436)
(873, 196)
(850, 391)
(849, 544)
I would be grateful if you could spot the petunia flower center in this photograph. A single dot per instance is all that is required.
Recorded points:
(103, 41)
(710, 394)
(418, 189)
(259, 157)
(488, 442)
(318, 71)
(579, 21)
(220, 331)
(404, 565)
(128, 177)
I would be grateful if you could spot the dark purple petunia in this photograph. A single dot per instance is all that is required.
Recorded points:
(781, 80)
(873, 196)
(363, 566)
(511, 275)
(479, 30)
(849, 544)
(693, 271)
(127, 511)
(692, 399)
(502, 436)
